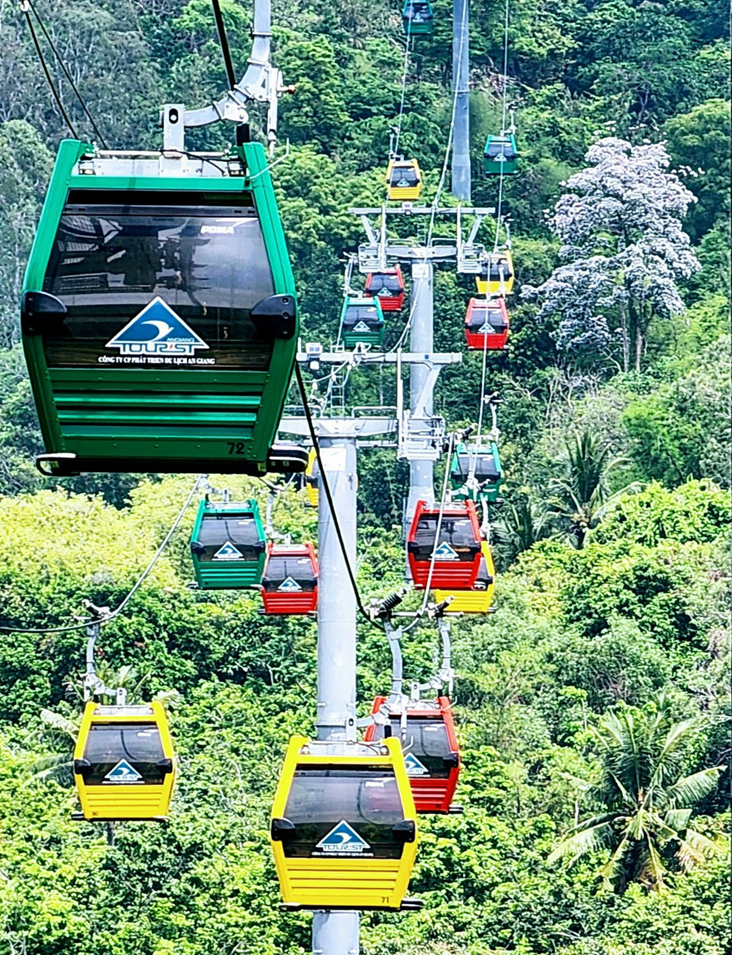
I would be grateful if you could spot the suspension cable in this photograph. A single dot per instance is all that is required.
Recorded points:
(136, 586)
(67, 74)
(448, 148)
(405, 72)
(64, 115)
(329, 497)
(438, 528)
(224, 42)
(503, 123)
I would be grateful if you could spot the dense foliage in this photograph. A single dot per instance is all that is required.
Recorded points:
(610, 631)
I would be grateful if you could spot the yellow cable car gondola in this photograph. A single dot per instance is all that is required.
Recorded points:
(497, 275)
(312, 471)
(480, 598)
(403, 179)
(124, 764)
(344, 827)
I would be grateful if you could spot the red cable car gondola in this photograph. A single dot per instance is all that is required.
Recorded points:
(456, 552)
(290, 579)
(430, 744)
(388, 287)
(486, 324)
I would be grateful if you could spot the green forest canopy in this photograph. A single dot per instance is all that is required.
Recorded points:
(635, 621)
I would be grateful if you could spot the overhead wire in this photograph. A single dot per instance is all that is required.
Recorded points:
(44, 66)
(136, 586)
(224, 43)
(323, 477)
(66, 72)
(503, 123)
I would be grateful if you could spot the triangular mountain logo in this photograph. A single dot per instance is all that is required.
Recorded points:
(486, 329)
(403, 184)
(445, 552)
(228, 552)
(343, 839)
(361, 327)
(123, 773)
(289, 586)
(414, 766)
(157, 330)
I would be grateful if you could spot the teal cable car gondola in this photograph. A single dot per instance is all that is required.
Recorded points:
(362, 322)
(500, 154)
(228, 545)
(417, 17)
(159, 316)
(476, 472)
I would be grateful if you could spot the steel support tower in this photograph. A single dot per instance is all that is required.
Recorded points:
(460, 182)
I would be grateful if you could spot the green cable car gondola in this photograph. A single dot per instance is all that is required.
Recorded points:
(500, 154)
(417, 17)
(228, 545)
(159, 316)
(362, 322)
(476, 472)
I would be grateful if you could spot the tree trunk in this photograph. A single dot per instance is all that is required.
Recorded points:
(626, 341)
(638, 346)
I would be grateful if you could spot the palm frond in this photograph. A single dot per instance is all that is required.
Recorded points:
(692, 789)
(589, 836)
(61, 723)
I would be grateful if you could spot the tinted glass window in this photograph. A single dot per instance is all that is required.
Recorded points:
(484, 467)
(481, 316)
(279, 569)
(457, 531)
(426, 740)
(368, 800)
(139, 744)
(379, 282)
(404, 175)
(500, 267)
(207, 263)
(241, 530)
(361, 313)
(500, 147)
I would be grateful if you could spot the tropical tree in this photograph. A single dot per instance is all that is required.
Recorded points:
(647, 798)
(582, 495)
(624, 251)
(521, 525)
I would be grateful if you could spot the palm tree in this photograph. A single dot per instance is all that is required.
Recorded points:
(521, 525)
(582, 495)
(647, 798)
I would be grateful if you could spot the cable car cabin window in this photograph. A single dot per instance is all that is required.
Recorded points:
(378, 282)
(206, 261)
(138, 744)
(219, 530)
(501, 147)
(492, 317)
(362, 313)
(485, 467)
(458, 532)
(402, 176)
(366, 800)
(280, 569)
(500, 269)
(427, 740)
(418, 8)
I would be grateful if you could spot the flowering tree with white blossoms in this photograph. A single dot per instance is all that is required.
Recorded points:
(623, 251)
